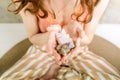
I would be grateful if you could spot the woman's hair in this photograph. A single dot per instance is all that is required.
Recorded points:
(86, 6)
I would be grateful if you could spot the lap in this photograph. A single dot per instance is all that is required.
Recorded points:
(83, 65)
(34, 63)
(92, 64)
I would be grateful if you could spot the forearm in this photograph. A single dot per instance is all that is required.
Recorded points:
(85, 41)
(39, 39)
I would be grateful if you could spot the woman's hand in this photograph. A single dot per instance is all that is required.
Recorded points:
(52, 43)
(72, 52)
(76, 32)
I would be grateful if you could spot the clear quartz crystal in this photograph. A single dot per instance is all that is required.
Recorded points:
(65, 43)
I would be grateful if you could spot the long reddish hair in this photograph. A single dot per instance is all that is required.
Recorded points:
(86, 5)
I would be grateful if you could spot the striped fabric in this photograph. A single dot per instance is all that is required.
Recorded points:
(93, 67)
(31, 66)
(83, 65)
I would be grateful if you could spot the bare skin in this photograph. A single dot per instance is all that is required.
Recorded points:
(63, 19)
(32, 28)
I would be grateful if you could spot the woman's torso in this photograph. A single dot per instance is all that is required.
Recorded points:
(63, 10)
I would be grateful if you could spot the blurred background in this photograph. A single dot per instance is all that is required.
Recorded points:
(111, 14)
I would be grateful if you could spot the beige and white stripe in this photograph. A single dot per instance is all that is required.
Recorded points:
(30, 65)
(93, 65)
(83, 65)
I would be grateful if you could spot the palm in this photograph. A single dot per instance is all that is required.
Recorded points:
(52, 43)
(74, 30)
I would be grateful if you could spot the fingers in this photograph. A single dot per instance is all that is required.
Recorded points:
(52, 39)
(59, 62)
(57, 55)
(77, 42)
(82, 33)
(56, 28)
(80, 30)
(51, 47)
(64, 59)
(51, 42)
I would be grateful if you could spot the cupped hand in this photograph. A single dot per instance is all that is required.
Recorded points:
(76, 32)
(71, 53)
(74, 29)
(52, 43)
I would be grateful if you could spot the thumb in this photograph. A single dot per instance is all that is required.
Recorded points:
(77, 43)
(81, 33)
